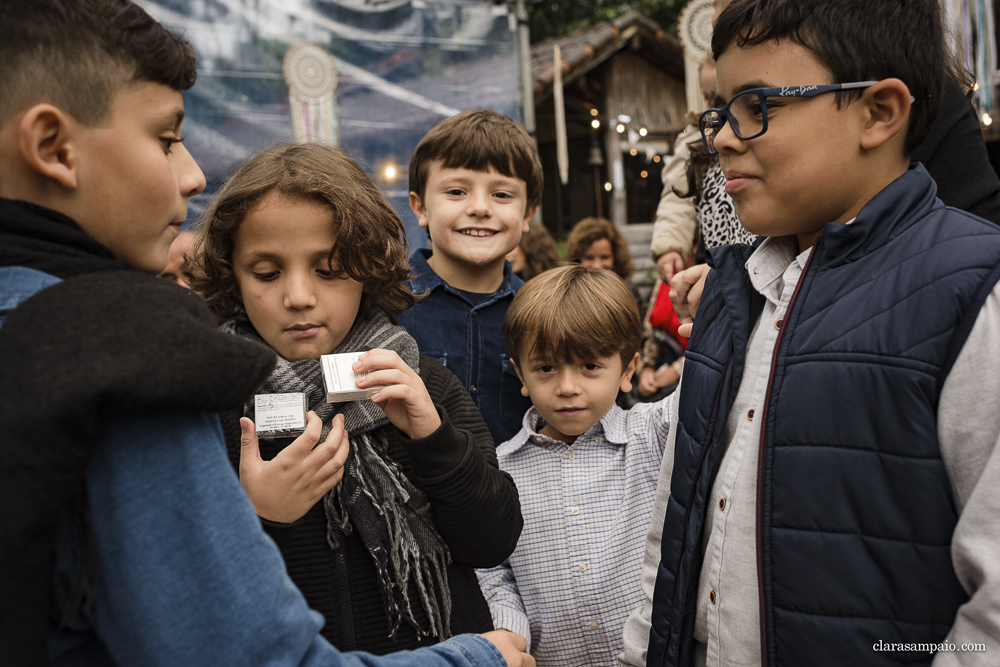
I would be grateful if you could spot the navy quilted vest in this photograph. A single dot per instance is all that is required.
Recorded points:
(855, 511)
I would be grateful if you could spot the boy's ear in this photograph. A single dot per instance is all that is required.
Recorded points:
(887, 109)
(529, 214)
(517, 369)
(417, 206)
(627, 374)
(47, 142)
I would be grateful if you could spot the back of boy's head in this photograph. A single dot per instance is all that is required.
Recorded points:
(857, 40)
(590, 230)
(77, 55)
(573, 313)
(477, 140)
(370, 244)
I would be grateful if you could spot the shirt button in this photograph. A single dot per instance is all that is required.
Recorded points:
(778, 323)
(473, 390)
(575, 511)
(571, 456)
(594, 625)
(711, 596)
(599, 441)
(475, 313)
(750, 414)
(722, 503)
(583, 567)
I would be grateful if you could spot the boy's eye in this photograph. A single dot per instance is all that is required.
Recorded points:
(455, 192)
(504, 195)
(591, 366)
(266, 277)
(544, 368)
(168, 142)
(325, 273)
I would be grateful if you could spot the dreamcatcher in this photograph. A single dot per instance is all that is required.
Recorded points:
(311, 74)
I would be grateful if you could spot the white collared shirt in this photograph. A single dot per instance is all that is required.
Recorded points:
(574, 576)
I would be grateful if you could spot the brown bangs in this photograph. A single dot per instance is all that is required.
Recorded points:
(572, 313)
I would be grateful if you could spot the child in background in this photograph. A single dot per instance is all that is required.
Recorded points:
(832, 498)
(586, 469)
(597, 243)
(535, 253)
(475, 182)
(302, 253)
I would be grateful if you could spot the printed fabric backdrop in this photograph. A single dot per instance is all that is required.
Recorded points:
(395, 68)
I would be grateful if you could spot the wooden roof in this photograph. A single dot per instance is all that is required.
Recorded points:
(587, 48)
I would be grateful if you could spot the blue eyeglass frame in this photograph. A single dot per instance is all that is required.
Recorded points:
(762, 95)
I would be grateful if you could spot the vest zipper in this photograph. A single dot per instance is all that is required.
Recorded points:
(760, 455)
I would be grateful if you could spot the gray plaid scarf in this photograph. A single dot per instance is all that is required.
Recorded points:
(392, 517)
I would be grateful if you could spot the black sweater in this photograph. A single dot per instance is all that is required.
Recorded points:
(474, 503)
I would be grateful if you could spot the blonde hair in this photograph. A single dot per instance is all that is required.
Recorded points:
(371, 243)
(571, 313)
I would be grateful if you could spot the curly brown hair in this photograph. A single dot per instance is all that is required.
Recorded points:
(589, 230)
(539, 250)
(371, 243)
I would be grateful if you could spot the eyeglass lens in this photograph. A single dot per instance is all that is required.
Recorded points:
(746, 113)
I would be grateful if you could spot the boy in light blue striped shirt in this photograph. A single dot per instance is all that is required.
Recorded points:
(586, 470)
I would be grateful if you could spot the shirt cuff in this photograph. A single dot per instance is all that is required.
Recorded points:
(508, 619)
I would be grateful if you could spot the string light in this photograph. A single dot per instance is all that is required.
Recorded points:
(644, 174)
(643, 131)
(607, 186)
(593, 112)
(633, 152)
(987, 119)
(619, 128)
(596, 124)
(656, 158)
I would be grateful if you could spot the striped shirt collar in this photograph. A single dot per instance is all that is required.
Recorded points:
(612, 427)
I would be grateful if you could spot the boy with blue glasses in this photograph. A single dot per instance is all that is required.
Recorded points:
(832, 494)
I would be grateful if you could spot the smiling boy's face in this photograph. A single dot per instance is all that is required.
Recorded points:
(808, 168)
(474, 217)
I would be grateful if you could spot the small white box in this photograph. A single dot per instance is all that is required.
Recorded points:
(339, 378)
(280, 415)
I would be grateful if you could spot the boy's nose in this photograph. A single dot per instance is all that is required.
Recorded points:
(479, 204)
(299, 294)
(568, 385)
(191, 178)
(726, 139)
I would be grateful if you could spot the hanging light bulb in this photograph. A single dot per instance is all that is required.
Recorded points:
(987, 119)
(607, 186)
(619, 128)
(596, 124)
(643, 131)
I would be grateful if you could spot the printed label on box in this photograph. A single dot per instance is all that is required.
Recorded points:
(280, 413)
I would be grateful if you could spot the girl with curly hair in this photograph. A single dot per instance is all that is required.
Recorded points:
(381, 530)
(597, 243)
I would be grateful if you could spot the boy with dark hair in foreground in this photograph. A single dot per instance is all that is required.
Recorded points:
(126, 537)
(832, 495)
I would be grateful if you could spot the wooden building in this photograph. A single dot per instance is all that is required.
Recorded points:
(624, 92)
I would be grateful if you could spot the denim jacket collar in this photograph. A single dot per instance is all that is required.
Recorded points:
(426, 280)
